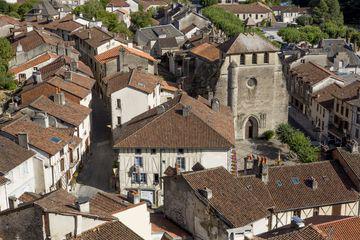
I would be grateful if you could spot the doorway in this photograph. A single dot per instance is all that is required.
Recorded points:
(251, 128)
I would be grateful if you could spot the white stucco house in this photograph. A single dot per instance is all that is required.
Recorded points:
(17, 172)
(183, 131)
(130, 94)
(52, 149)
(59, 215)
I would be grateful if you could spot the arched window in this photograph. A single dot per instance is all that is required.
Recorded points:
(242, 59)
(266, 57)
(254, 58)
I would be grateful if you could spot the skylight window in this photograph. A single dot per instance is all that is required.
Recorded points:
(141, 84)
(55, 139)
(295, 180)
(278, 183)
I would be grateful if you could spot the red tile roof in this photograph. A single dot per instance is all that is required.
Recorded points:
(160, 224)
(207, 51)
(33, 63)
(343, 229)
(114, 53)
(114, 230)
(69, 87)
(118, 3)
(166, 127)
(245, 8)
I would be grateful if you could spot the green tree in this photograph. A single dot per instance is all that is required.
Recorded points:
(304, 20)
(320, 12)
(291, 35)
(6, 54)
(313, 34)
(140, 19)
(207, 3)
(6, 51)
(334, 12)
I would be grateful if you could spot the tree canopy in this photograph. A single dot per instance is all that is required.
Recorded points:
(6, 54)
(94, 9)
(16, 10)
(141, 19)
(311, 34)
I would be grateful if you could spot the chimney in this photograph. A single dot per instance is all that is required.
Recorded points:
(215, 105)
(314, 183)
(13, 203)
(89, 34)
(160, 109)
(37, 76)
(133, 196)
(186, 111)
(83, 204)
(67, 76)
(81, 15)
(73, 17)
(256, 165)
(177, 169)
(264, 170)
(13, 106)
(121, 59)
(23, 140)
(73, 65)
(59, 98)
(42, 119)
(246, 161)
(353, 146)
(19, 48)
(206, 193)
(29, 28)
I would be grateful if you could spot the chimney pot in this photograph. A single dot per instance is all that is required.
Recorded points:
(186, 111)
(59, 98)
(83, 204)
(133, 196)
(67, 76)
(215, 105)
(206, 192)
(314, 183)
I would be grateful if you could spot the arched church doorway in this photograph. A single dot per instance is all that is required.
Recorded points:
(251, 128)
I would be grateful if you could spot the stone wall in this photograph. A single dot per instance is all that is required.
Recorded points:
(184, 208)
(23, 223)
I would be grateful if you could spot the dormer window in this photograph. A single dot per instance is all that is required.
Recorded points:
(254, 58)
(266, 57)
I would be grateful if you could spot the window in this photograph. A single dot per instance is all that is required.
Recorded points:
(297, 213)
(138, 161)
(358, 118)
(62, 164)
(180, 151)
(180, 161)
(337, 107)
(257, 16)
(357, 133)
(156, 178)
(153, 151)
(316, 211)
(342, 110)
(295, 180)
(346, 112)
(138, 178)
(242, 59)
(143, 178)
(266, 57)
(118, 103)
(118, 120)
(254, 58)
(61, 152)
(137, 151)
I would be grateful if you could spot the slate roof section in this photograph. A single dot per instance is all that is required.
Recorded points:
(39, 137)
(334, 187)
(109, 231)
(144, 82)
(230, 199)
(312, 73)
(207, 51)
(71, 112)
(237, 8)
(167, 42)
(247, 43)
(166, 127)
(153, 32)
(12, 155)
(114, 53)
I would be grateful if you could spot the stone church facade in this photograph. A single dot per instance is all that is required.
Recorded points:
(250, 80)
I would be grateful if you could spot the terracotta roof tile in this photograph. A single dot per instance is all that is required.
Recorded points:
(229, 197)
(109, 231)
(12, 155)
(39, 137)
(334, 187)
(71, 112)
(312, 73)
(98, 36)
(351, 159)
(29, 197)
(114, 53)
(307, 233)
(325, 96)
(33, 63)
(138, 80)
(166, 127)
(245, 8)
(343, 229)
(207, 51)
(160, 224)
(118, 3)
(348, 92)
(69, 87)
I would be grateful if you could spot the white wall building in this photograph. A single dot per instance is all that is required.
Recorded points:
(182, 131)
(130, 94)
